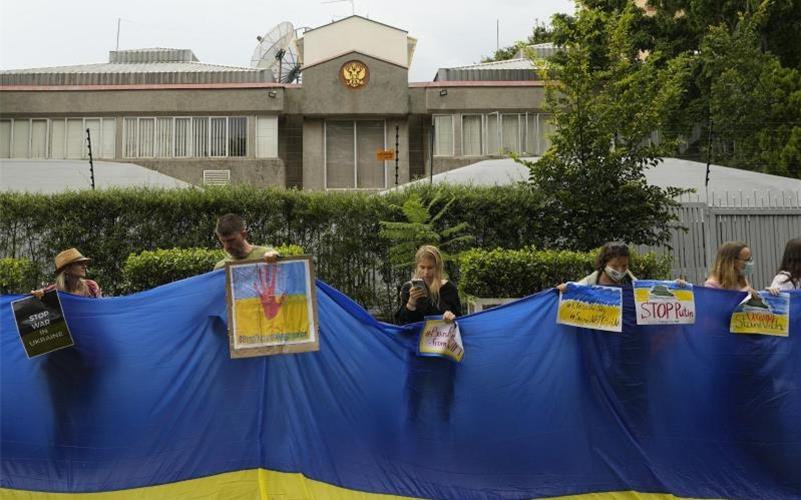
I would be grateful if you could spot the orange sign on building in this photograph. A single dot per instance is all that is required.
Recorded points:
(385, 155)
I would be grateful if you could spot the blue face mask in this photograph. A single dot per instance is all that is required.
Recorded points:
(749, 268)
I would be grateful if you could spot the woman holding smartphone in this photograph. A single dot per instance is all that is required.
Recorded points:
(428, 293)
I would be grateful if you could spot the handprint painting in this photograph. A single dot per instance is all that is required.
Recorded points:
(271, 307)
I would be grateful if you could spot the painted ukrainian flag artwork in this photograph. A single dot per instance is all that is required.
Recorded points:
(596, 307)
(765, 315)
(271, 305)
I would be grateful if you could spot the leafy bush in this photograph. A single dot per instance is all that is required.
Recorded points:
(341, 230)
(503, 273)
(150, 269)
(17, 276)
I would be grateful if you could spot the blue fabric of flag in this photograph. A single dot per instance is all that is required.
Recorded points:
(149, 396)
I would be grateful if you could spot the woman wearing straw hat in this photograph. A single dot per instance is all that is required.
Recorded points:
(71, 276)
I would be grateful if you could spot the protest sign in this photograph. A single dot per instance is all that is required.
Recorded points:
(597, 307)
(41, 325)
(664, 303)
(766, 315)
(272, 307)
(440, 338)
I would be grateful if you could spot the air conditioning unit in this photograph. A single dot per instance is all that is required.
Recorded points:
(216, 177)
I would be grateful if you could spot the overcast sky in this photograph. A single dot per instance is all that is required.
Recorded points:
(39, 33)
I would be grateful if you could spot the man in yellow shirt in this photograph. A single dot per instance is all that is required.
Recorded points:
(233, 234)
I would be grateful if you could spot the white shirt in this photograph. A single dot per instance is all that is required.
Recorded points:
(782, 281)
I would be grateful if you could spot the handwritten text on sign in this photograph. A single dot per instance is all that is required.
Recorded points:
(664, 303)
(765, 315)
(441, 339)
(596, 307)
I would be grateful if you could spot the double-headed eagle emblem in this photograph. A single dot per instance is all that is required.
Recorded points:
(354, 74)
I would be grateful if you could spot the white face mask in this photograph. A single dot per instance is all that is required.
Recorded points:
(614, 274)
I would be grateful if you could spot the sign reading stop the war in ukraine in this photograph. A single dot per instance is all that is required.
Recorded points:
(664, 303)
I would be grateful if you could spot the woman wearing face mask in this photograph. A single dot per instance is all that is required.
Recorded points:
(71, 276)
(611, 267)
(434, 296)
(733, 265)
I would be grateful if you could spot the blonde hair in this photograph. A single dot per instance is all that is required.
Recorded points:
(70, 283)
(725, 268)
(431, 252)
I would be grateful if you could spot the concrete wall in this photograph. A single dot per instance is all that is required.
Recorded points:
(478, 99)
(255, 172)
(139, 102)
(385, 94)
(355, 33)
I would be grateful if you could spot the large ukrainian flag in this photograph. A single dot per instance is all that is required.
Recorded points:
(149, 405)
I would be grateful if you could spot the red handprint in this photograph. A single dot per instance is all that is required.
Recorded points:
(265, 287)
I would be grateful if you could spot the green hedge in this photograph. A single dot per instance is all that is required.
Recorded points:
(503, 273)
(341, 230)
(150, 269)
(18, 276)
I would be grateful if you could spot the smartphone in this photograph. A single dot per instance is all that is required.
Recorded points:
(420, 284)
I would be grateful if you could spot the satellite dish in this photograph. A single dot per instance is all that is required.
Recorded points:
(277, 52)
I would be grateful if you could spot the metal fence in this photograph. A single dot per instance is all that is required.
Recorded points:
(764, 222)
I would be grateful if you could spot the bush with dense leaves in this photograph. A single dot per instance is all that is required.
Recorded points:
(503, 273)
(17, 276)
(152, 268)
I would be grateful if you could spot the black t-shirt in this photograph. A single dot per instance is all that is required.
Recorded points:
(448, 301)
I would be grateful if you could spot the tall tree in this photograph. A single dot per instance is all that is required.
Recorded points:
(606, 102)
(754, 102)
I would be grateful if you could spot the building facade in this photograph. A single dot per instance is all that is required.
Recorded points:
(207, 124)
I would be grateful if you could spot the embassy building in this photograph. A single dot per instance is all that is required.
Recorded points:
(210, 124)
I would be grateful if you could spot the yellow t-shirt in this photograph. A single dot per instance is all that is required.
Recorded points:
(256, 253)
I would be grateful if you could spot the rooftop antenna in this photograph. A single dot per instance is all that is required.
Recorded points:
(278, 52)
(352, 5)
(497, 35)
(119, 24)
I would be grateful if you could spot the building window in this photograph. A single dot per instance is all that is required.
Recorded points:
(493, 135)
(75, 138)
(267, 137)
(200, 136)
(350, 154)
(38, 139)
(5, 138)
(237, 136)
(183, 139)
(57, 138)
(21, 137)
(472, 135)
(217, 136)
(162, 141)
(510, 127)
(443, 135)
(146, 130)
